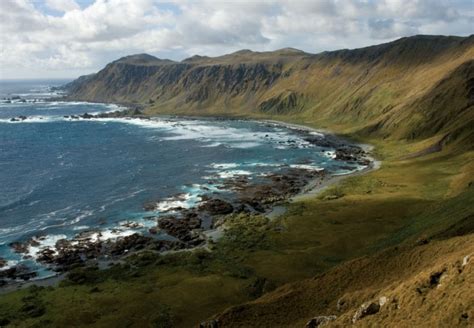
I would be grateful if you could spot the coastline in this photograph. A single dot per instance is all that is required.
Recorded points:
(316, 186)
(311, 189)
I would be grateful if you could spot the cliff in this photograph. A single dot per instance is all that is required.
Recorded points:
(413, 88)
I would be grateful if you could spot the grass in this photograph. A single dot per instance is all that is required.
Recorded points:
(403, 200)
(393, 105)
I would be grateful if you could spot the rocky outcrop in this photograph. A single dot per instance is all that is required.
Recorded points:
(320, 321)
(365, 310)
(217, 207)
(182, 229)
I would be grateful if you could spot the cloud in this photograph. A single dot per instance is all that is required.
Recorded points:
(389, 28)
(61, 38)
(62, 5)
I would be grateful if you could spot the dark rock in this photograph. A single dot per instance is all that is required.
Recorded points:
(180, 228)
(151, 206)
(217, 207)
(209, 324)
(125, 244)
(19, 271)
(94, 290)
(46, 256)
(87, 116)
(3, 262)
(19, 247)
(365, 310)
(320, 320)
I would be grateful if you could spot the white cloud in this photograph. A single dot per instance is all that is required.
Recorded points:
(36, 43)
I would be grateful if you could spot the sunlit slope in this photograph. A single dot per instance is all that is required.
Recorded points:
(413, 88)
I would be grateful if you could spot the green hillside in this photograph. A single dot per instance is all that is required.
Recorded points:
(412, 88)
(400, 237)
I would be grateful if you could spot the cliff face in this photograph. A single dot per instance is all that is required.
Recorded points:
(417, 87)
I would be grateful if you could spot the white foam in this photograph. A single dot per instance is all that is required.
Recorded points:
(330, 154)
(314, 133)
(261, 164)
(44, 243)
(83, 215)
(83, 227)
(185, 200)
(108, 234)
(232, 173)
(224, 165)
(8, 265)
(306, 167)
(33, 119)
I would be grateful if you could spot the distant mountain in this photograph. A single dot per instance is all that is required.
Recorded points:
(411, 88)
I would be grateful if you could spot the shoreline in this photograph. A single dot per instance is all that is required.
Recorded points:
(316, 186)
(311, 189)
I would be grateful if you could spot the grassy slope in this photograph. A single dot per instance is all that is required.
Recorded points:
(405, 200)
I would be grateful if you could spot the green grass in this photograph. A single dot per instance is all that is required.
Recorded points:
(403, 200)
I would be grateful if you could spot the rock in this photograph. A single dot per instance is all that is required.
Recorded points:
(340, 304)
(132, 225)
(365, 310)
(68, 258)
(216, 207)
(320, 321)
(46, 255)
(181, 229)
(18, 119)
(87, 116)
(19, 271)
(209, 324)
(19, 247)
(125, 244)
(3, 262)
(151, 206)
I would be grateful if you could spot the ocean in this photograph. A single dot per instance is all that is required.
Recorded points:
(60, 176)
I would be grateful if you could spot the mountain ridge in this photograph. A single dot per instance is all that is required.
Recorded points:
(367, 91)
(392, 247)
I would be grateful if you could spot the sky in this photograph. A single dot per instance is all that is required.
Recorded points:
(69, 38)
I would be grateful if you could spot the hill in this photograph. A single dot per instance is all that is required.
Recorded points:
(413, 88)
(390, 248)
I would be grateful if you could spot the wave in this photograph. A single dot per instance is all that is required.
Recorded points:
(33, 119)
(186, 200)
(306, 167)
(211, 135)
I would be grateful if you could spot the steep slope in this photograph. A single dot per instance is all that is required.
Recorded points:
(411, 220)
(410, 286)
(413, 88)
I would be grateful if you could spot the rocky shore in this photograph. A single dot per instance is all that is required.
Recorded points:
(179, 228)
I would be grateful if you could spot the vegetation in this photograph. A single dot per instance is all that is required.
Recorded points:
(398, 232)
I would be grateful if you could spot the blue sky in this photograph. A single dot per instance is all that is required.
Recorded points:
(68, 38)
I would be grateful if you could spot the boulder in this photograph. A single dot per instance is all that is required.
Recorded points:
(216, 207)
(365, 310)
(209, 324)
(19, 271)
(87, 116)
(320, 321)
(19, 247)
(125, 244)
(181, 229)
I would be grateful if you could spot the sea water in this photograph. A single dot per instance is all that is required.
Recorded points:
(60, 176)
